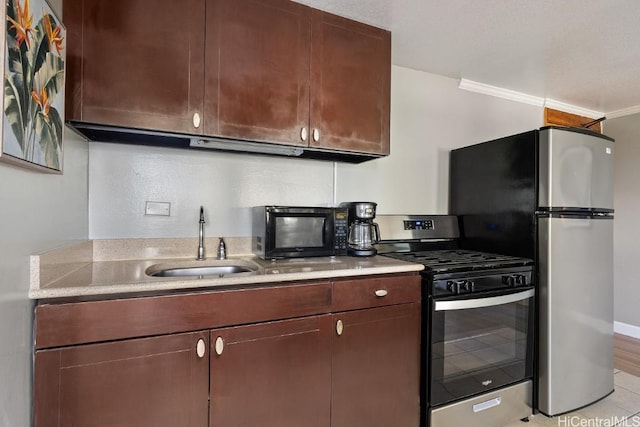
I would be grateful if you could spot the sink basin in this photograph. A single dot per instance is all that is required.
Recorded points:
(201, 271)
(193, 269)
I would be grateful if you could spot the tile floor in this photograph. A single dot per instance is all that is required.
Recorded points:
(620, 409)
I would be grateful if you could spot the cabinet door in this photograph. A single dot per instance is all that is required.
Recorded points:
(376, 367)
(136, 63)
(350, 85)
(257, 70)
(272, 374)
(153, 382)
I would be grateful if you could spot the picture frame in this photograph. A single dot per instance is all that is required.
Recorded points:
(33, 65)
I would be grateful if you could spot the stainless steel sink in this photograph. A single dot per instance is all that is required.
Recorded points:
(211, 269)
(201, 271)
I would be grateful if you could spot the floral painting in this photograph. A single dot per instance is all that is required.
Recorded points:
(34, 67)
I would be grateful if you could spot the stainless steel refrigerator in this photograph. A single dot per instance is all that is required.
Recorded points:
(547, 194)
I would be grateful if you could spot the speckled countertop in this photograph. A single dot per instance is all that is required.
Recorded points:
(108, 267)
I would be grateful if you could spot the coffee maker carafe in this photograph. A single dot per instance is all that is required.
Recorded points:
(363, 232)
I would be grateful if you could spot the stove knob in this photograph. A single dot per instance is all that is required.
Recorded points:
(471, 286)
(510, 281)
(453, 286)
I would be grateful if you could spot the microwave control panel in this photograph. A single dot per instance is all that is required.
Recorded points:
(341, 230)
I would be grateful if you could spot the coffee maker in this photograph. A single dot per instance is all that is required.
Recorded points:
(363, 232)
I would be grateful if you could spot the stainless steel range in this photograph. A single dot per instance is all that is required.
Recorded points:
(478, 317)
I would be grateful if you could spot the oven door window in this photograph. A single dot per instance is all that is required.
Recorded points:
(480, 344)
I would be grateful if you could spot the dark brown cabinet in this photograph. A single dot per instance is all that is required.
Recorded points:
(273, 374)
(136, 63)
(160, 381)
(257, 70)
(269, 71)
(312, 354)
(376, 367)
(350, 85)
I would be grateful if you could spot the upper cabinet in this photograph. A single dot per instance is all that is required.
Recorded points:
(268, 71)
(136, 63)
(257, 70)
(350, 85)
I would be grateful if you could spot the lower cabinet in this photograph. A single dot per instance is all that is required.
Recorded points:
(155, 382)
(376, 367)
(273, 374)
(355, 365)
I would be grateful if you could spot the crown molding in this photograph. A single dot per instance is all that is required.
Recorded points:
(624, 112)
(533, 100)
(499, 92)
(568, 108)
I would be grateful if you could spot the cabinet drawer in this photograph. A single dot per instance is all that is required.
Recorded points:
(94, 321)
(375, 292)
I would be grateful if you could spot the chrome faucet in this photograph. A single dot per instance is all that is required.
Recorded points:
(201, 253)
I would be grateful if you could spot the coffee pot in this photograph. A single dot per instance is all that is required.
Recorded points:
(363, 232)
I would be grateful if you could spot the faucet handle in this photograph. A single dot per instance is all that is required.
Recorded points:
(222, 249)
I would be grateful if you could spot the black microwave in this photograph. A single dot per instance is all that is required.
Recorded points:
(297, 231)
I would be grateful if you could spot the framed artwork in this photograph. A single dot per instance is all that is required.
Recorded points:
(33, 98)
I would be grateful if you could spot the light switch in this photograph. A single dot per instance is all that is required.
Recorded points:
(158, 208)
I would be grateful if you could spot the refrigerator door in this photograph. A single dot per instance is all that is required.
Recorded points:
(575, 170)
(576, 312)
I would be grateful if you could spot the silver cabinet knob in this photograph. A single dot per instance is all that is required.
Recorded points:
(201, 348)
(196, 120)
(316, 134)
(219, 346)
(339, 327)
(304, 133)
(381, 293)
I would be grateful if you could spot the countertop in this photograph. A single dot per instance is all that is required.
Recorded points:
(114, 267)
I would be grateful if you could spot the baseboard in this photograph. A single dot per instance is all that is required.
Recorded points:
(626, 329)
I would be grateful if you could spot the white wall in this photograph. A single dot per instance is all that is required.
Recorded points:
(123, 177)
(429, 116)
(38, 212)
(626, 132)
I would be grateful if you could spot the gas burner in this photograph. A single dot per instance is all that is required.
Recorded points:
(440, 261)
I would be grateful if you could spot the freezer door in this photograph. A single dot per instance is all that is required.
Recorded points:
(575, 170)
(576, 312)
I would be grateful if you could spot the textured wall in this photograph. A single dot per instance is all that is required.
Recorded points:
(626, 250)
(429, 117)
(38, 212)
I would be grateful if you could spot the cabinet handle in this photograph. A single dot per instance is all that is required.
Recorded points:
(200, 348)
(196, 120)
(381, 293)
(339, 327)
(219, 346)
(316, 134)
(304, 133)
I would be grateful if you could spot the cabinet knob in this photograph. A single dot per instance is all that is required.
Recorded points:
(304, 133)
(196, 120)
(200, 348)
(219, 346)
(339, 327)
(381, 293)
(316, 134)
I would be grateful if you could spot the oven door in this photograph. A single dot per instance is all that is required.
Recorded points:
(478, 344)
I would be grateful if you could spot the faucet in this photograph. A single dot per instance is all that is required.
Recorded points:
(201, 255)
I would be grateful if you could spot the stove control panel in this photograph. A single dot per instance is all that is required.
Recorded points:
(418, 224)
(481, 281)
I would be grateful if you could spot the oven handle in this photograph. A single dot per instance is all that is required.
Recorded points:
(483, 302)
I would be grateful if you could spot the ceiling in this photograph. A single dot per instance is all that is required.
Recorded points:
(583, 53)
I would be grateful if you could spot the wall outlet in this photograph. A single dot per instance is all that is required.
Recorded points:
(158, 208)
